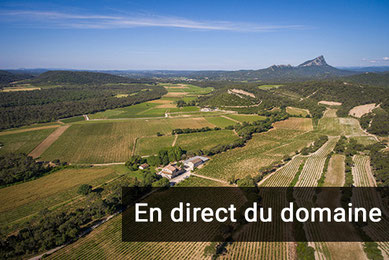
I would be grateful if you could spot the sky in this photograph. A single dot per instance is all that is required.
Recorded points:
(191, 35)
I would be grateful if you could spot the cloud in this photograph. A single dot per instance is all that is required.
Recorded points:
(67, 20)
(380, 60)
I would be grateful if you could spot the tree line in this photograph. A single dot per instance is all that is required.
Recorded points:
(27, 107)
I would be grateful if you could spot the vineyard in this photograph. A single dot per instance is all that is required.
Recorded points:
(23, 142)
(262, 150)
(110, 141)
(20, 201)
(106, 241)
(363, 178)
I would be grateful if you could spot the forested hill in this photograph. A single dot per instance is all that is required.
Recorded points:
(75, 93)
(370, 78)
(8, 77)
(77, 77)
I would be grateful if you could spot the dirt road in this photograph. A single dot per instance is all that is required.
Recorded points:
(48, 141)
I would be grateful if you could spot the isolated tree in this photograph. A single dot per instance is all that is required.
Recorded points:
(84, 189)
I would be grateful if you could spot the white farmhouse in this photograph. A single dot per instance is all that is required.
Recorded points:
(194, 162)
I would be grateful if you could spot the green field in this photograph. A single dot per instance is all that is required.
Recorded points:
(127, 112)
(266, 87)
(246, 118)
(23, 142)
(190, 89)
(152, 145)
(72, 119)
(365, 140)
(111, 141)
(330, 126)
(22, 200)
(205, 140)
(220, 121)
(194, 181)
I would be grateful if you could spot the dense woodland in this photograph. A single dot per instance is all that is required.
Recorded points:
(19, 167)
(49, 104)
(8, 77)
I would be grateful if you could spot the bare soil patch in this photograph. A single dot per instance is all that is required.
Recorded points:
(167, 105)
(48, 141)
(359, 111)
(14, 89)
(330, 103)
(240, 91)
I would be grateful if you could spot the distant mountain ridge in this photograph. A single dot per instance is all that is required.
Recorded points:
(77, 77)
(314, 69)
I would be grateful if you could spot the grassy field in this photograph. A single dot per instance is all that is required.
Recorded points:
(194, 181)
(330, 126)
(220, 121)
(152, 145)
(266, 87)
(205, 140)
(130, 111)
(350, 126)
(21, 200)
(294, 111)
(187, 88)
(23, 142)
(111, 141)
(246, 118)
(72, 119)
(365, 140)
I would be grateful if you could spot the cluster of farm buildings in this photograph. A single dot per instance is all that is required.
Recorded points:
(173, 170)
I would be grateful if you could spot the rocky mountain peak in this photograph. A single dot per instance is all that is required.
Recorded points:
(319, 61)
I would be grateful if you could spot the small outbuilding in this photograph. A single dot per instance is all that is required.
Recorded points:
(195, 161)
(144, 166)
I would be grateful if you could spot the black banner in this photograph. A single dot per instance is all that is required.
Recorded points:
(255, 214)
